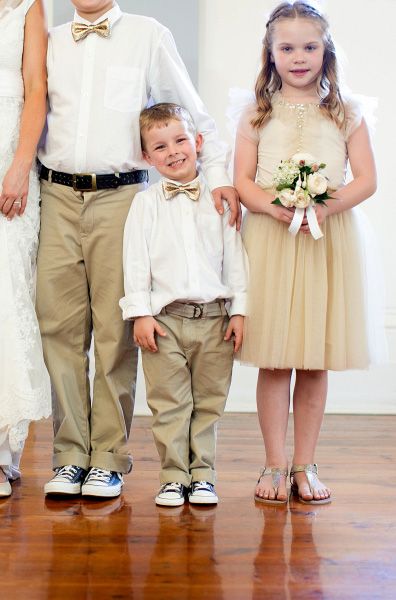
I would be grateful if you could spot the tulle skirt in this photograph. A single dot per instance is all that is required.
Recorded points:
(308, 301)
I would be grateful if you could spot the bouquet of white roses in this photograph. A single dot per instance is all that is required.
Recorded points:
(301, 184)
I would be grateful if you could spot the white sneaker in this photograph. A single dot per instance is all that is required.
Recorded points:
(68, 480)
(5, 489)
(171, 494)
(102, 483)
(202, 492)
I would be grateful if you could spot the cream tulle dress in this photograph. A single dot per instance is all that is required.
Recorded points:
(307, 304)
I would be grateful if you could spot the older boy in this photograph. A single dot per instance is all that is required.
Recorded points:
(102, 70)
(182, 263)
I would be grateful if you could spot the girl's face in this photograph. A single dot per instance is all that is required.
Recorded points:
(297, 51)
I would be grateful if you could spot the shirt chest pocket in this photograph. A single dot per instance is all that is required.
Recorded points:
(211, 234)
(124, 89)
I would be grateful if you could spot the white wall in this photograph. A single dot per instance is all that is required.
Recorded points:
(230, 46)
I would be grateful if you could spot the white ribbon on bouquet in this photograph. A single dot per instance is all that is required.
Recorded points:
(313, 224)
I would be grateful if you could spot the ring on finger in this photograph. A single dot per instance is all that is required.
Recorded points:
(17, 202)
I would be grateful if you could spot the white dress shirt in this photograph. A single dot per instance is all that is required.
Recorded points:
(181, 250)
(97, 88)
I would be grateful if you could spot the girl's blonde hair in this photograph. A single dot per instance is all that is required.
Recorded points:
(268, 80)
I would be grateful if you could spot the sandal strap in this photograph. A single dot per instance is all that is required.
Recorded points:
(311, 472)
(310, 468)
(276, 474)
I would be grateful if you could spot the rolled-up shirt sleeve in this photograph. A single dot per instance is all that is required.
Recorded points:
(136, 261)
(170, 82)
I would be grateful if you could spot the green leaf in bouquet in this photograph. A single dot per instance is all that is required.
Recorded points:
(277, 202)
(322, 197)
(285, 186)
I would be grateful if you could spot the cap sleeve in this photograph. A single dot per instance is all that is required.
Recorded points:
(245, 127)
(354, 116)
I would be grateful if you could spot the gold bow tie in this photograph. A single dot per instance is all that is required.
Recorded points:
(192, 190)
(80, 30)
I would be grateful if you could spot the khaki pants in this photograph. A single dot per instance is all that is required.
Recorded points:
(79, 284)
(187, 383)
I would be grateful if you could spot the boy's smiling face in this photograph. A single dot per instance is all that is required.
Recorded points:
(172, 149)
(91, 10)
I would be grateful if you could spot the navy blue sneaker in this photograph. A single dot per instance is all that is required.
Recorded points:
(202, 492)
(105, 484)
(68, 480)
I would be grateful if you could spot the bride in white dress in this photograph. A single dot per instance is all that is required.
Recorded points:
(24, 381)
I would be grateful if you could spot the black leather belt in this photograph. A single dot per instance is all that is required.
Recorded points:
(90, 182)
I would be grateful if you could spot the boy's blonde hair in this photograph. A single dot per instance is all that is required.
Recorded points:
(268, 80)
(161, 114)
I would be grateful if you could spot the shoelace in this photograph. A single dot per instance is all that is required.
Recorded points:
(202, 485)
(99, 475)
(69, 471)
(172, 487)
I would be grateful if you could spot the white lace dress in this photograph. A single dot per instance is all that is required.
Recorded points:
(24, 381)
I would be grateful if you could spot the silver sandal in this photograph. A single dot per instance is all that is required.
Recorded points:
(276, 473)
(311, 472)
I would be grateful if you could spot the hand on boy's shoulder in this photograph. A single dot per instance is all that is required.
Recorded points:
(230, 195)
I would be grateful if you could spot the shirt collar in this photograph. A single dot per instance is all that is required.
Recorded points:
(114, 14)
(199, 178)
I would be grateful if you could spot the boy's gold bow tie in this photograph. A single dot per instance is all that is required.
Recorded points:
(192, 190)
(80, 30)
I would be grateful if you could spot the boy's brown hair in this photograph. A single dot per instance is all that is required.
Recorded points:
(161, 114)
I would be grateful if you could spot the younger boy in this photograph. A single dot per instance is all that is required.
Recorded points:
(182, 263)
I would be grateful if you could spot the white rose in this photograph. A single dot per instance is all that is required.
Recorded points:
(302, 199)
(317, 184)
(308, 159)
(287, 197)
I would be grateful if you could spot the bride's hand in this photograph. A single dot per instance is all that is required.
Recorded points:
(13, 198)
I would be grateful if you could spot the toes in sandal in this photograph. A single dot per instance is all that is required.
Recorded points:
(276, 473)
(311, 473)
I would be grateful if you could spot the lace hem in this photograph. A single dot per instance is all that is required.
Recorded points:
(17, 422)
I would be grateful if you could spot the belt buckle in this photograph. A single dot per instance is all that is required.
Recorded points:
(198, 310)
(93, 187)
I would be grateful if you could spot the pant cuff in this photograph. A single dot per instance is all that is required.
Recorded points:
(201, 474)
(72, 457)
(175, 475)
(110, 461)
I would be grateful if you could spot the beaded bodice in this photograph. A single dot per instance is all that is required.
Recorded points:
(301, 128)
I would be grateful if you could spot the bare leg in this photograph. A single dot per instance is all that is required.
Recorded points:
(309, 402)
(273, 400)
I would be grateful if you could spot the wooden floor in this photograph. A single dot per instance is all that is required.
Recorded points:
(129, 548)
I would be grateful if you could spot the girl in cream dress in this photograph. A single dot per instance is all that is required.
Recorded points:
(307, 305)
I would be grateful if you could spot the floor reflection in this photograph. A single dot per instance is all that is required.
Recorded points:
(90, 548)
(287, 565)
(183, 563)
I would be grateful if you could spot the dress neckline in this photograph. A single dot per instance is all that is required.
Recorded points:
(280, 99)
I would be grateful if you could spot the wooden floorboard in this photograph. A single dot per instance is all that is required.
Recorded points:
(129, 548)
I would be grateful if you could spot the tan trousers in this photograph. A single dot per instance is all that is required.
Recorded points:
(79, 284)
(187, 383)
